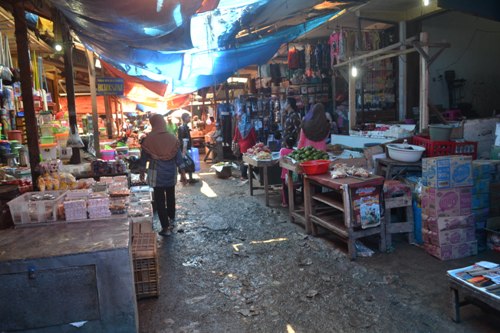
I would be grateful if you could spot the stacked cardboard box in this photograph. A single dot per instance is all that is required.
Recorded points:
(484, 173)
(448, 228)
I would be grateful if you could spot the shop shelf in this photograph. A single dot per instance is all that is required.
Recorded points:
(26, 210)
(443, 148)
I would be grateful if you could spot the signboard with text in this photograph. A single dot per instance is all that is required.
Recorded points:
(109, 86)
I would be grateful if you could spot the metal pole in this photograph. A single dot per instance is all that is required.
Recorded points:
(70, 88)
(93, 94)
(27, 88)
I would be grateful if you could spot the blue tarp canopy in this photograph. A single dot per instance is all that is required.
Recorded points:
(190, 44)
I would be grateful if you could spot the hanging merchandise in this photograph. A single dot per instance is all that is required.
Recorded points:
(5, 59)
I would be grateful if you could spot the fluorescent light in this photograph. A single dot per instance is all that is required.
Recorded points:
(234, 79)
(354, 71)
(97, 63)
(426, 2)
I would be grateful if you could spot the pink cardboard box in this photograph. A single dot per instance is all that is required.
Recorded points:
(446, 202)
(449, 237)
(437, 224)
(455, 251)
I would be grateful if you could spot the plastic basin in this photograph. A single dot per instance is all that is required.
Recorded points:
(315, 167)
(405, 152)
(440, 132)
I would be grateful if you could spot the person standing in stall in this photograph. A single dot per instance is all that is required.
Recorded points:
(162, 150)
(184, 135)
(315, 128)
(292, 123)
(246, 137)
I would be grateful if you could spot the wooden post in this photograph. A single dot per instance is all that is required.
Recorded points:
(93, 94)
(424, 84)
(402, 114)
(70, 88)
(352, 98)
(27, 88)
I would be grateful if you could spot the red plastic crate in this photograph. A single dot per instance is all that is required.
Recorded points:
(443, 148)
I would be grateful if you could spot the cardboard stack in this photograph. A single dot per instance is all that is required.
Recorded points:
(485, 174)
(448, 228)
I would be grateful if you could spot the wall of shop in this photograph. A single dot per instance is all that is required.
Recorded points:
(474, 56)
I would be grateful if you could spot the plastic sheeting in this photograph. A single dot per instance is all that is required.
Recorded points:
(153, 40)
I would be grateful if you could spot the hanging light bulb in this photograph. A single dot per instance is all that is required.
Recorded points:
(58, 47)
(354, 71)
(426, 2)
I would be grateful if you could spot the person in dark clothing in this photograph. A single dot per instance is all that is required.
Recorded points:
(162, 151)
(184, 136)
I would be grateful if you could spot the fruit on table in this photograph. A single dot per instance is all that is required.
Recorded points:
(308, 154)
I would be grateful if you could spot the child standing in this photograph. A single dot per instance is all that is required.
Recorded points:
(289, 143)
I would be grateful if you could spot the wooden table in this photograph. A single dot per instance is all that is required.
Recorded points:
(390, 168)
(264, 164)
(341, 209)
(297, 214)
(470, 295)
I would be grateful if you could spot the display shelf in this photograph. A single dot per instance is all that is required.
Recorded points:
(333, 223)
(330, 199)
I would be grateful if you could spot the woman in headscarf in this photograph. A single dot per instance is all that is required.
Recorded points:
(162, 150)
(315, 128)
(245, 136)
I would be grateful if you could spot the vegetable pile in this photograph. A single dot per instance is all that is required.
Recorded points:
(308, 154)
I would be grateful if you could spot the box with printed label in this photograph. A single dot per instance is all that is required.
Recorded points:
(480, 200)
(481, 186)
(436, 224)
(446, 202)
(481, 214)
(447, 171)
(455, 251)
(483, 169)
(453, 236)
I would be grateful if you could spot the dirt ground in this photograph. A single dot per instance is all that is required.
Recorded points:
(235, 265)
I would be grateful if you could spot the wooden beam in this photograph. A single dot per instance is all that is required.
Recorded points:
(27, 89)
(424, 84)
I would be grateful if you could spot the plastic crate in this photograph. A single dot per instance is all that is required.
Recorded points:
(26, 211)
(145, 261)
(444, 148)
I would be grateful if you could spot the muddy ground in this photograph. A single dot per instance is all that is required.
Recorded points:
(235, 265)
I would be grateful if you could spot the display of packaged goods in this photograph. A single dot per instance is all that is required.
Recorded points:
(78, 194)
(452, 236)
(99, 187)
(446, 202)
(35, 207)
(119, 192)
(436, 224)
(135, 189)
(75, 209)
(480, 200)
(118, 205)
(447, 171)
(455, 251)
(98, 206)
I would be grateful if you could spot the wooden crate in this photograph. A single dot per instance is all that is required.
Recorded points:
(142, 225)
(145, 261)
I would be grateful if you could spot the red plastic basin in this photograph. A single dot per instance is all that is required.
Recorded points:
(315, 167)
